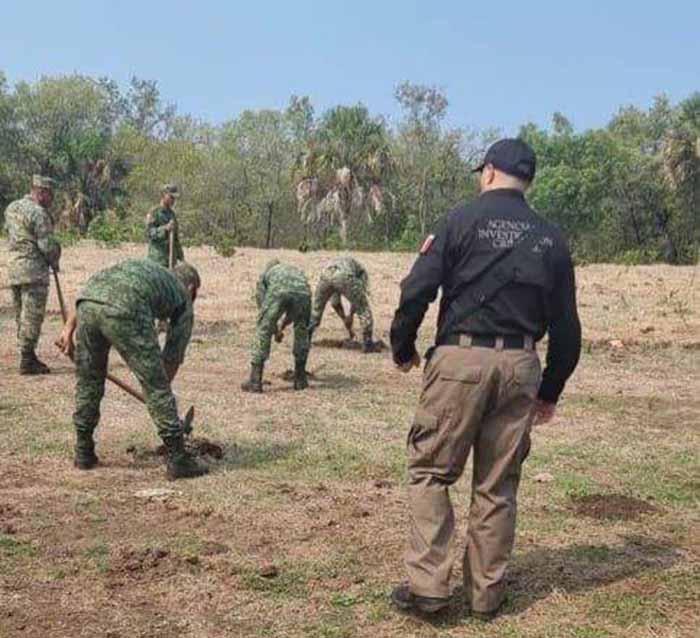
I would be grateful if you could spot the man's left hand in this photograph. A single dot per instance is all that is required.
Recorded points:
(544, 412)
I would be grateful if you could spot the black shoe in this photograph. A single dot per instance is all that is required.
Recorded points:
(403, 598)
(254, 384)
(29, 364)
(85, 457)
(487, 616)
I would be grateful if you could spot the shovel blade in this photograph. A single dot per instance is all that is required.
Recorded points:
(187, 423)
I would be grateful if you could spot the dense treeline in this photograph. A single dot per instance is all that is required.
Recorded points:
(627, 192)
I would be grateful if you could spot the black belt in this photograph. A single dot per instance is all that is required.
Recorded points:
(509, 342)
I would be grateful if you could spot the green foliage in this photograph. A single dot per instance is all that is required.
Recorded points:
(627, 193)
(225, 245)
(111, 233)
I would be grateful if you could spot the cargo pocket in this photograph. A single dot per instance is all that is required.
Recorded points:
(527, 375)
(422, 436)
(469, 374)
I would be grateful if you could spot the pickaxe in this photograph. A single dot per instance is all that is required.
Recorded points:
(189, 416)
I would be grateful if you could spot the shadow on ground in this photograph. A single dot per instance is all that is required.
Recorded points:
(536, 574)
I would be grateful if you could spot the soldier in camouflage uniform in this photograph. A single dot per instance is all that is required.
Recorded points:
(345, 276)
(33, 248)
(160, 222)
(118, 307)
(282, 290)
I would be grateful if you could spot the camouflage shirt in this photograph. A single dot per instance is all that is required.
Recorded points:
(158, 246)
(281, 278)
(142, 290)
(32, 244)
(349, 267)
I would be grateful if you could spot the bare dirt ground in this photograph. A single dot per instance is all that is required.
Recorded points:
(299, 528)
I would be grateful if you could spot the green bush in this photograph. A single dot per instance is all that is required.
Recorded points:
(225, 245)
(112, 233)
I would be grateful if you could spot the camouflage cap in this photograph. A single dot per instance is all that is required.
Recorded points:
(170, 189)
(39, 181)
(187, 275)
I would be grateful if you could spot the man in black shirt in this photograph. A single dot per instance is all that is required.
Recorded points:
(507, 279)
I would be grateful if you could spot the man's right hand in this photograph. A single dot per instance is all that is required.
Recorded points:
(170, 226)
(66, 342)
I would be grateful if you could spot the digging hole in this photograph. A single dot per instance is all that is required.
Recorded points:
(611, 507)
(346, 344)
(197, 446)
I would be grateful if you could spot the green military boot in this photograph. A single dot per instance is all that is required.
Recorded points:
(301, 381)
(254, 384)
(85, 457)
(29, 364)
(180, 463)
(369, 346)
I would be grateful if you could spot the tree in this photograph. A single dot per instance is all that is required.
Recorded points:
(344, 168)
(261, 147)
(64, 130)
(431, 166)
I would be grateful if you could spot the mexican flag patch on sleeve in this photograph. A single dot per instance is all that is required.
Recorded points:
(425, 248)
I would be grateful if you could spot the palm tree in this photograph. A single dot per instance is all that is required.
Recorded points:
(343, 170)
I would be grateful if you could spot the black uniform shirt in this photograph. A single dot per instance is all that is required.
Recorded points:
(467, 243)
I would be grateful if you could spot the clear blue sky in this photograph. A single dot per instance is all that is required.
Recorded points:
(501, 63)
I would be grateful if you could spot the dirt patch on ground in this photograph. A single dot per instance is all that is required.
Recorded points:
(197, 446)
(347, 344)
(616, 507)
(216, 328)
(288, 375)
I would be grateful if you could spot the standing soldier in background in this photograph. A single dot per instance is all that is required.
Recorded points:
(282, 290)
(117, 309)
(160, 223)
(33, 248)
(507, 278)
(345, 276)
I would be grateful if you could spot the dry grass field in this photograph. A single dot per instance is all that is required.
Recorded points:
(299, 528)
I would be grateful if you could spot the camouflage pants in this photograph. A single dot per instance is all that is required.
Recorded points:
(297, 307)
(330, 287)
(135, 340)
(30, 306)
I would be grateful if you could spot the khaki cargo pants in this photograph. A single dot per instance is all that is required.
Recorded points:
(480, 399)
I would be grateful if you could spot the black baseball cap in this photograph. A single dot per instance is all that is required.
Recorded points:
(512, 156)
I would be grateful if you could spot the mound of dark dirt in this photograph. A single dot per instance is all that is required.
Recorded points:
(288, 375)
(346, 344)
(616, 507)
(197, 446)
(132, 560)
